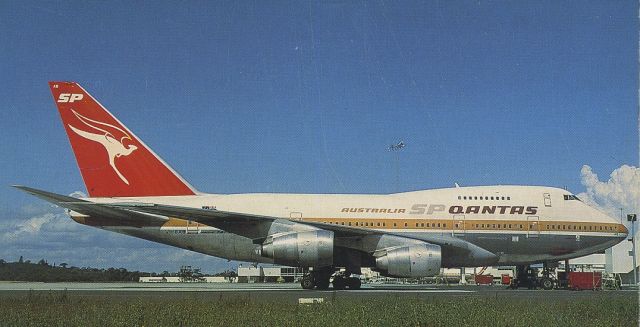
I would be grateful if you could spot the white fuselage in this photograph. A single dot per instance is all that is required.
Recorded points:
(520, 224)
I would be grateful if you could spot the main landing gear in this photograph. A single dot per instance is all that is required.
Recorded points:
(528, 277)
(321, 278)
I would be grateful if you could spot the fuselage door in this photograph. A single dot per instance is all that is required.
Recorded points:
(533, 226)
(458, 228)
(547, 200)
(295, 215)
(192, 227)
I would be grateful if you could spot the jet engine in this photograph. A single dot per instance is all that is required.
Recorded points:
(417, 260)
(310, 248)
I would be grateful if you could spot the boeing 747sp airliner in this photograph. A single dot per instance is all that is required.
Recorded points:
(413, 234)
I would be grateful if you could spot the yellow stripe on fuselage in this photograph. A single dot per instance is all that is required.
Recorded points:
(473, 224)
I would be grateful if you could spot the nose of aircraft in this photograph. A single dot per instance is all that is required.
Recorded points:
(621, 230)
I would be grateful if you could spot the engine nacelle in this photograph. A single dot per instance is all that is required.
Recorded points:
(310, 249)
(418, 260)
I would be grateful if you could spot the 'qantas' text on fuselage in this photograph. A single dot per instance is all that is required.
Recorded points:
(429, 209)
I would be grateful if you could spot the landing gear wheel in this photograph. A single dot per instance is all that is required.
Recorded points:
(353, 283)
(339, 283)
(546, 283)
(322, 277)
(307, 282)
(322, 283)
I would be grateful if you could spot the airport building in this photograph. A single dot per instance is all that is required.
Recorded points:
(270, 274)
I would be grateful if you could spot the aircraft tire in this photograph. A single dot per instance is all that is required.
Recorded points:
(323, 284)
(546, 283)
(307, 282)
(339, 283)
(354, 283)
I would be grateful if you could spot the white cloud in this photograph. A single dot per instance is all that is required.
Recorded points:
(29, 227)
(78, 194)
(622, 190)
(43, 231)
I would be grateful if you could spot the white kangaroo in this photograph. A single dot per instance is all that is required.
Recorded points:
(115, 148)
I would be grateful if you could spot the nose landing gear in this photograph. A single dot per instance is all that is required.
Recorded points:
(528, 277)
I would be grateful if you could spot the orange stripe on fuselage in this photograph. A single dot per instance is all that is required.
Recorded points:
(418, 224)
(474, 225)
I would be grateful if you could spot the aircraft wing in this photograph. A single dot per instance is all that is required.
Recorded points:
(256, 227)
(96, 210)
(210, 217)
(220, 219)
(247, 225)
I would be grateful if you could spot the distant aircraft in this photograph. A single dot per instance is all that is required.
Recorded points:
(413, 234)
(396, 147)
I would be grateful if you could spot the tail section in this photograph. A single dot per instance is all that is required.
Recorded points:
(112, 160)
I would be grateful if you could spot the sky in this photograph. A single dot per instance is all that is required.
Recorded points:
(306, 97)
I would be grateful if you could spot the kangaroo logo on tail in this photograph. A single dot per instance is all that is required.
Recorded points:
(113, 145)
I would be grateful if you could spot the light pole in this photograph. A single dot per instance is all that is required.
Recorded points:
(632, 217)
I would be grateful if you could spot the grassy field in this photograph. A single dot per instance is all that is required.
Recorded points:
(63, 308)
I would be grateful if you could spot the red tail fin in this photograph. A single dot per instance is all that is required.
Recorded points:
(112, 160)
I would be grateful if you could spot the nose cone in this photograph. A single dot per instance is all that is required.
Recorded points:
(622, 229)
(619, 229)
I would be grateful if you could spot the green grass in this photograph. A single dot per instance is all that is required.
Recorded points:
(212, 309)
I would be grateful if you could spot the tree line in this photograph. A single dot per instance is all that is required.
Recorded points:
(42, 271)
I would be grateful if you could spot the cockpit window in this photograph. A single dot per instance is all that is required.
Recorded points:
(569, 197)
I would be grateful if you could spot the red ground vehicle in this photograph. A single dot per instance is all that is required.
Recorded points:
(484, 279)
(585, 280)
